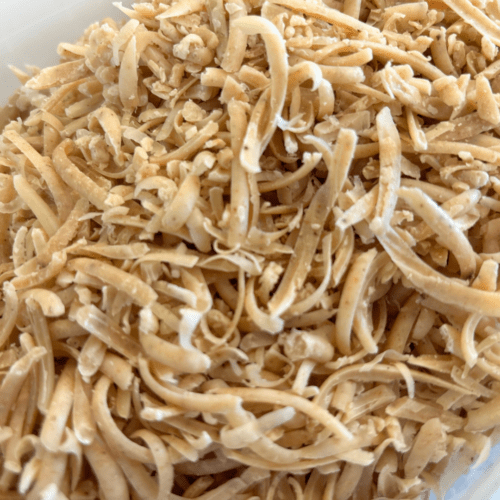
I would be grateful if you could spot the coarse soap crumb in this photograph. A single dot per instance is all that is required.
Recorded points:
(249, 251)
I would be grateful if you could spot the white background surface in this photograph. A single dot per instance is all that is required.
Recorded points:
(482, 483)
(30, 33)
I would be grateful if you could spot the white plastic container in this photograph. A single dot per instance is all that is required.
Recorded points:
(31, 31)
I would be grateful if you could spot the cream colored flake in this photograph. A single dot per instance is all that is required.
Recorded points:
(255, 240)
(487, 106)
